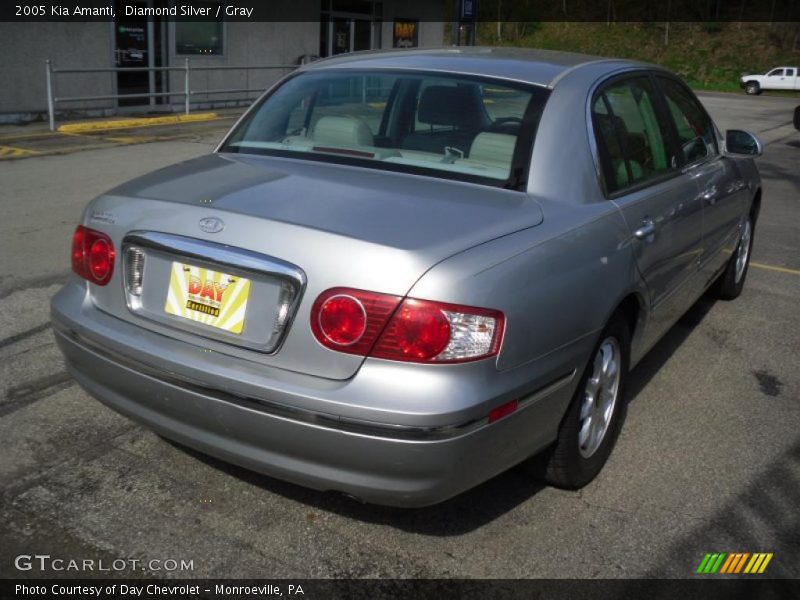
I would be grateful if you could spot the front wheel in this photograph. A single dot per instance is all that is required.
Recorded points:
(731, 282)
(593, 420)
(752, 88)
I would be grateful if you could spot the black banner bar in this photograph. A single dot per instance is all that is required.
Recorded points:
(707, 588)
(449, 10)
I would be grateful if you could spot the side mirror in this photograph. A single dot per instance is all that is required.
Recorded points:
(742, 143)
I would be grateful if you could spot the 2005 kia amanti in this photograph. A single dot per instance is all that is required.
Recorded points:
(402, 273)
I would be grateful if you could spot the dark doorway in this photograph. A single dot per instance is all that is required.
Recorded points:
(131, 51)
(138, 44)
(349, 35)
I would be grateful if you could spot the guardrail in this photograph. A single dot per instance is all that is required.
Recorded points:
(187, 92)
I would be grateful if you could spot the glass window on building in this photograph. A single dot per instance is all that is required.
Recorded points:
(203, 38)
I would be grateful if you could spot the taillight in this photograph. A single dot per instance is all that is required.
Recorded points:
(351, 320)
(381, 326)
(92, 255)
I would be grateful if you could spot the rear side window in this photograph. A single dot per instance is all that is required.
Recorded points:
(790, 72)
(696, 137)
(630, 138)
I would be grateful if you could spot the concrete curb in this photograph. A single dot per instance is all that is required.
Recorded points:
(89, 126)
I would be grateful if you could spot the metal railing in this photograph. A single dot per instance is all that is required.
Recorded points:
(187, 91)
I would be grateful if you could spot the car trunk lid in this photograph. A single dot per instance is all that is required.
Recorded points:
(332, 225)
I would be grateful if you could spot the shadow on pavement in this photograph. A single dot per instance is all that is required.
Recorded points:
(764, 517)
(775, 170)
(659, 354)
(462, 514)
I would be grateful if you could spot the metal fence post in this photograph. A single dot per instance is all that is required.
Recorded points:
(186, 86)
(51, 110)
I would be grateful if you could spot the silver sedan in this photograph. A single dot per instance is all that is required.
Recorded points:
(402, 273)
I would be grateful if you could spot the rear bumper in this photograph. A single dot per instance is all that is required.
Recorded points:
(274, 430)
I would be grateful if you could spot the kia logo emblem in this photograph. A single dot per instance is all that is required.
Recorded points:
(212, 224)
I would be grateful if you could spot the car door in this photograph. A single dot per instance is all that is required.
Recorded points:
(786, 80)
(791, 79)
(659, 202)
(774, 80)
(723, 191)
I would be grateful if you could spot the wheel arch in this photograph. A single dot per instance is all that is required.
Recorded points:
(631, 307)
(755, 206)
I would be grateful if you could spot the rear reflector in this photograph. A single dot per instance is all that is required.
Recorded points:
(381, 326)
(92, 255)
(503, 410)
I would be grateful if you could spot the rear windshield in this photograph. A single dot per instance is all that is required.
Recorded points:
(456, 127)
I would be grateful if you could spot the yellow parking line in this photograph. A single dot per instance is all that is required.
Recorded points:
(88, 126)
(774, 268)
(14, 152)
(131, 139)
(27, 136)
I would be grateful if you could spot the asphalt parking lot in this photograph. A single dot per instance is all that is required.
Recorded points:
(709, 459)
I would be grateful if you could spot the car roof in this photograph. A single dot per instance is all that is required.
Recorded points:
(539, 67)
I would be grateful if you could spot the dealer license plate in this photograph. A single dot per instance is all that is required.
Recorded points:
(209, 297)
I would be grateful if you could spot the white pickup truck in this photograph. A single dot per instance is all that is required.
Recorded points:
(780, 78)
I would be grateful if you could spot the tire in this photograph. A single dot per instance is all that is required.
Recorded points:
(731, 282)
(577, 457)
(752, 88)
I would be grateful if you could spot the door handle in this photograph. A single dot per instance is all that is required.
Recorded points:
(710, 195)
(647, 229)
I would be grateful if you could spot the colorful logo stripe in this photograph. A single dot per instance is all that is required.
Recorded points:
(734, 562)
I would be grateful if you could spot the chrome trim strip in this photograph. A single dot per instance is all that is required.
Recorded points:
(283, 411)
(221, 255)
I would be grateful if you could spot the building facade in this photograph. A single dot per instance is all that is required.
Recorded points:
(215, 51)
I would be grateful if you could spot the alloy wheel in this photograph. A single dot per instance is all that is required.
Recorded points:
(743, 252)
(599, 397)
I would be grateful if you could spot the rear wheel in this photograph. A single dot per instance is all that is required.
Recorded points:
(593, 420)
(731, 282)
(752, 88)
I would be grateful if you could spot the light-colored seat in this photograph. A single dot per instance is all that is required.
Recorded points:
(493, 148)
(342, 131)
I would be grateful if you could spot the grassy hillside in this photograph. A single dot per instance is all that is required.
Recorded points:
(709, 55)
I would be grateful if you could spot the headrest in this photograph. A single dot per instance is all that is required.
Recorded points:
(493, 148)
(342, 131)
(455, 106)
(613, 130)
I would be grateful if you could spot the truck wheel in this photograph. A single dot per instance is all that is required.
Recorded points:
(752, 88)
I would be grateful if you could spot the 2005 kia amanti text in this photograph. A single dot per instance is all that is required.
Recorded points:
(402, 273)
